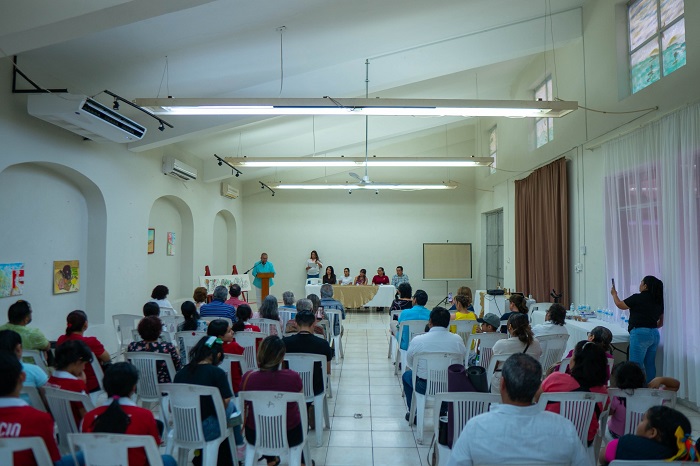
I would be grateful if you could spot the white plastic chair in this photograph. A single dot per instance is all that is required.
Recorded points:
(493, 372)
(249, 342)
(99, 375)
(113, 449)
(186, 341)
(285, 316)
(313, 281)
(578, 407)
(10, 445)
(303, 364)
(59, 402)
(166, 311)
(392, 338)
(147, 385)
(413, 327)
(171, 322)
(564, 365)
(209, 319)
(485, 346)
(35, 400)
(436, 382)
(266, 326)
(226, 366)
(335, 315)
(464, 406)
(123, 326)
(36, 357)
(270, 419)
(464, 328)
(639, 401)
(187, 430)
(553, 347)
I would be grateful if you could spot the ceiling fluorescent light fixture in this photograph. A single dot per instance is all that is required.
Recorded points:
(363, 107)
(368, 186)
(308, 162)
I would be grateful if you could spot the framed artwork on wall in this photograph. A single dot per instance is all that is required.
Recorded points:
(11, 279)
(66, 277)
(171, 244)
(151, 240)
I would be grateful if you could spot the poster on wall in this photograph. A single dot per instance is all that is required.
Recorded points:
(151, 240)
(11, 279)
(66, 277)
(171, 243)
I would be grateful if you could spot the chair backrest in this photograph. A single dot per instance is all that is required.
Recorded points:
(209, 319)
(186, 411)
(123, 325)
(495, 364)
(59, 402)
(112, 449)
(464, 328)
(313, 281)
(230, 358)
(270, 418)
(285, 316)
(249, 342)
(185, 341)
(638, 401)
(413, 327)
(99, 373)
(303, 364)
(147, 364)
(577, 407)
(166, 311)
(334, 316)
(464, 406)
(266, 326)
(486, 342)
(436, 365)
(171, 322)
(10, 445)
(553, 347)
(35, 357)
(34, 397)
(564, 364)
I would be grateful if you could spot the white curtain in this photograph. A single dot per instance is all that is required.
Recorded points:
(651, 207)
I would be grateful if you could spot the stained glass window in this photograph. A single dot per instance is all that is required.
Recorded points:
(544, 127)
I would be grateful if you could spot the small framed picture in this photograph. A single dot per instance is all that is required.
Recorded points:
(151, 240)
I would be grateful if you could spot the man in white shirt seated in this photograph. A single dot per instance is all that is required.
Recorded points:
(437, 340)
(554, 321)
(516, 431)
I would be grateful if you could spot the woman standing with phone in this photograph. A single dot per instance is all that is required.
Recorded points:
(646, 316)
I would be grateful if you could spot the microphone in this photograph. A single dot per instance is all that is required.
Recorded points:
(258, 262)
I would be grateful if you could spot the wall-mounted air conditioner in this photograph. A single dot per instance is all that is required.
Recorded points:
(178, 169)
(84, 116)
(228, 191)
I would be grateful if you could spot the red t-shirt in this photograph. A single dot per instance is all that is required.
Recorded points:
(380, 280)
(236, 372)
(141, 422)
(71, 385)
(17, 419)
(96, 348)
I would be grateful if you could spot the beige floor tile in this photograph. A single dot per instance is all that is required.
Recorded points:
(350, 438)
(391, 439)
(348, 456)
(402, 456)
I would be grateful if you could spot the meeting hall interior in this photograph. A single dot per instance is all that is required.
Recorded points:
(144, 142)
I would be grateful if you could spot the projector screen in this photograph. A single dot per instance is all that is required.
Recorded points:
(447, 261)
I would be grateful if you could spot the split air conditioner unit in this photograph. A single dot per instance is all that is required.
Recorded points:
(84, 116)
(228, 191)
(178, 169)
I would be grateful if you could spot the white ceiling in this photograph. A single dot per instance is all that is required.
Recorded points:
(445, 49)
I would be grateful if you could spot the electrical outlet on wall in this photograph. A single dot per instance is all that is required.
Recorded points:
(578, 267)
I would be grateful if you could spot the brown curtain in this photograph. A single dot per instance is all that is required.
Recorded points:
(542, 233)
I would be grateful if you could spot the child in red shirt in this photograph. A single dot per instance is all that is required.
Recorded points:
(70, 360)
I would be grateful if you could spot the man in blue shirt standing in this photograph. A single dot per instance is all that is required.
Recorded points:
(217, 307)
(417, 312)
(262, 266)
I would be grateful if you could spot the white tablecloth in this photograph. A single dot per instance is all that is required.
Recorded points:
(578, 330)
(383, 298)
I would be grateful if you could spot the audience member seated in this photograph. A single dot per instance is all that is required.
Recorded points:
(35, 376)
(21, 420)
(464, 291)
(601, 336)
(329, 276)
(288, 301)
(76, 325)
(269, 310)
(629, 376)
(331, 304)
(201, 370)
(292, 326)
(437, 340)
(192, 321)
(151, 308)
(317, 309)
(120, 415)
(662, 434)
(19, 316)
(417, 312)
(160, 297)
(270, 377)
(463, 312)
(505, 434)
(346, 279)
(554, 321)
(521, 340)
(361, 279)
(489, 324)
(222, 330)
(70, 361)
(516, 305)
(217, 307)
(149, 329)
(199, 296)
(380, 278)
(404, 301)
(235, 300)
(588, 374)
(243, 314)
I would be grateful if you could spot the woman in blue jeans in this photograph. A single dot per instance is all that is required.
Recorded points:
(646, 317)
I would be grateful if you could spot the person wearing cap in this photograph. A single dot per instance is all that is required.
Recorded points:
(483, 441)
(554, 321)
(417, 312)
(489, 323)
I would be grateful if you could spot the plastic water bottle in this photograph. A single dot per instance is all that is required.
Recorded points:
(572, 312)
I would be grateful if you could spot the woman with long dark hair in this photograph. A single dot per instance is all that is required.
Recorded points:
(329, 276)
(313, 265)
(120, 415)
(646, 317)
(192, 321)
(521, 340)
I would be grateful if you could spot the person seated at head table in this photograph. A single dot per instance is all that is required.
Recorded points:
(361, 279)
(346, 279)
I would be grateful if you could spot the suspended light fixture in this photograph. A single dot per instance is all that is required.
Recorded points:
(367, 186)
(309, 162)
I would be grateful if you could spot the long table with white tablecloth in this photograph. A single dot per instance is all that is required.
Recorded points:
(356, 296)
(579, 331)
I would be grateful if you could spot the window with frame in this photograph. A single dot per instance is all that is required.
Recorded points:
(656, 31)
(493, 147)
(544, 127)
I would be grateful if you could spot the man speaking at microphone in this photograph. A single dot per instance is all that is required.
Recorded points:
(262, 266)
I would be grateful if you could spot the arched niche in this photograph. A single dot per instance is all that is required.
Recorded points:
(223, 243)
(54, 213)
(176, 271)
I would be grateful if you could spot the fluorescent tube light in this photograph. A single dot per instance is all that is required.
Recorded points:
(287, 162)
(368, 186)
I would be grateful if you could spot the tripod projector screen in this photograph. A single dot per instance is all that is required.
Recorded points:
(447, 261)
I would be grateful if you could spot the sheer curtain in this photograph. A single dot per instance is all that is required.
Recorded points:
(651, 208)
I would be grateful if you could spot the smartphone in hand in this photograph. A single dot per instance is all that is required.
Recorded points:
(613, 283)
(449, 297)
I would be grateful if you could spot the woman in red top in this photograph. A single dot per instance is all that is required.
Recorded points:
(70, 363)
(380, 278)
(120, 415)
(76, 325)
(244, 313)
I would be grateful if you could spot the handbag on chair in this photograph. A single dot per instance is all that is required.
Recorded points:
(461, 379)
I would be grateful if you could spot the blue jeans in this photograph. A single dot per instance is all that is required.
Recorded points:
(407, 379)
(210, 425)
(643, 345)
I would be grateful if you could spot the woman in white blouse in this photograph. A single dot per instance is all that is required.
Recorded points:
(554, 321)
(313, 266)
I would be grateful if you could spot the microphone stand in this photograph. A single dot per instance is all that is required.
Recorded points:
(443, 301)
(246, 272)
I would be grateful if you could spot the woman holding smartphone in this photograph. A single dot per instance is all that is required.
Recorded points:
(313, 266)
